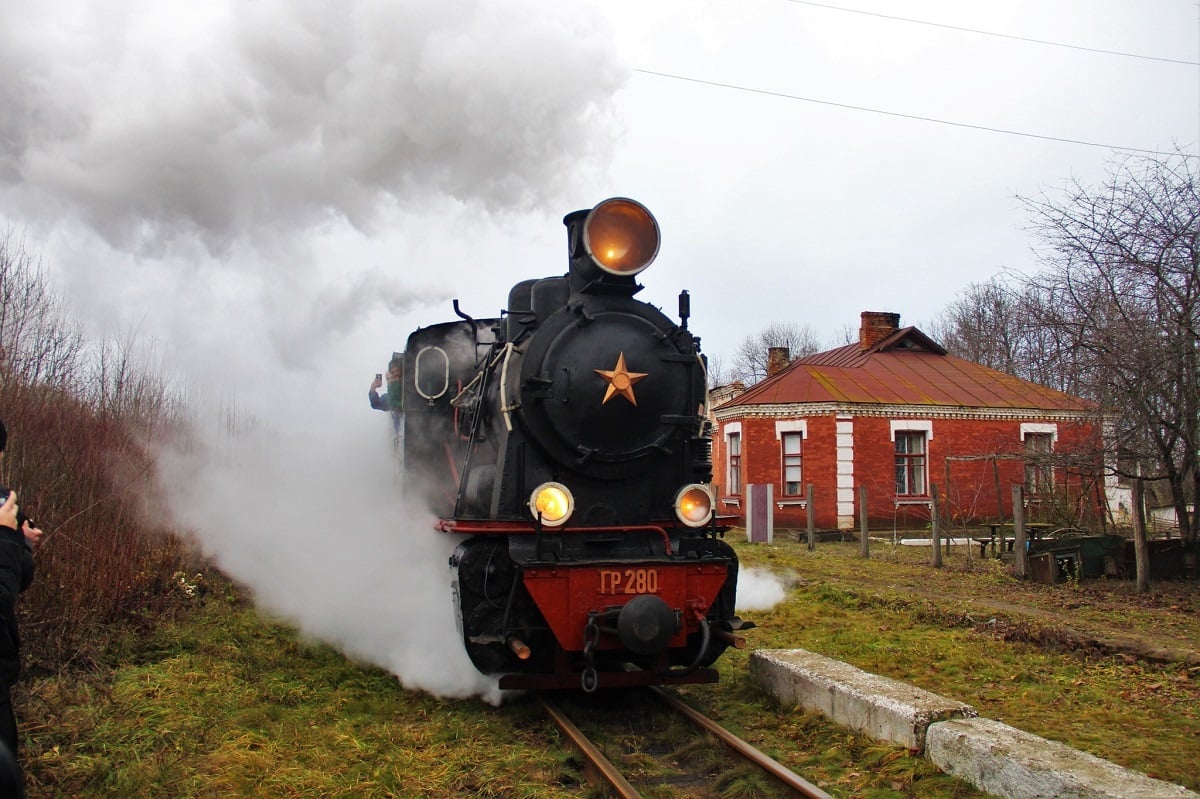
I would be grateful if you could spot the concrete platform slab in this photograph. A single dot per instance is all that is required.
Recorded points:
(1014, 764)
(880, 707)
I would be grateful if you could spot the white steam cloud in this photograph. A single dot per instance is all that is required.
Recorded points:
(272, 195)
(316, 526)
(243, 121)
(759, 589)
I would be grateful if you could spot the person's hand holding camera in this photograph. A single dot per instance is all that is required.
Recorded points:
(11, 516)
(8, 511)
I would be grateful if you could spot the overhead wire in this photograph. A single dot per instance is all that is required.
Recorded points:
(921, 118)
(994, 33)
(901, 115)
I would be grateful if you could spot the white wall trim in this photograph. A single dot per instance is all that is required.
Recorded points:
(925, 425)
(844, 427)
(794, 426)
(811, 410)
(1039, 427)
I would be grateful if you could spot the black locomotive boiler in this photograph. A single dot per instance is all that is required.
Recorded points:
(566, 443)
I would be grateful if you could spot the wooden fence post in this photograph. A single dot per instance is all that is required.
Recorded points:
(812, 527)
(1020, 556)
(935, 527)
(863, 545)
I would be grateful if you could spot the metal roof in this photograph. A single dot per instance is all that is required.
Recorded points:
(906, 368)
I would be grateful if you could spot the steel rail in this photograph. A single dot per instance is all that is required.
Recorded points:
(773, 767)
(594, 756)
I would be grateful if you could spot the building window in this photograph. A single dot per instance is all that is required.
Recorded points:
(735, 463)
(790, 444)
(910, 463)
(1039, 476)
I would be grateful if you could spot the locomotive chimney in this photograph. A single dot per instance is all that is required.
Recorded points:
(875, 327)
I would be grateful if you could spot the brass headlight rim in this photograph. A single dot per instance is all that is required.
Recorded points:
(552, 485)
(598, 212)
(709, 498)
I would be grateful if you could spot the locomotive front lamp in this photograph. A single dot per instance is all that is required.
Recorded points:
(621, 236)
(693, 505)
(553, 503)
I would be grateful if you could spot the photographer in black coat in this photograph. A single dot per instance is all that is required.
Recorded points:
(17, 539)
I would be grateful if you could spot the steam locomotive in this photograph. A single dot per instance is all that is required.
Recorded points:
(566, 443)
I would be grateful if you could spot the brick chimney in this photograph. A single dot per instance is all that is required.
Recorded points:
(777, 359)
(876, 326)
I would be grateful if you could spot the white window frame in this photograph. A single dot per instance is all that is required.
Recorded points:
(731, 431)
(785, 464)
(1038, 429)
(799, 426)
(924, 426)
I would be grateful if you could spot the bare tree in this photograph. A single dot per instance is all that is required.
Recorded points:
(996, 324)
(750, 360)
(38, 343)
(718, 375)
(982, 324)
(846, 334)
(1119, 308)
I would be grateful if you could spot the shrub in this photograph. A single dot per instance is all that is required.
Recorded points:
(82, 418)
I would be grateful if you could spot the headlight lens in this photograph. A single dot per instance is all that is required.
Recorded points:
(693, 505)
(553, 502)
(622, 236)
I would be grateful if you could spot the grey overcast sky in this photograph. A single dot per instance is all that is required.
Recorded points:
(346, 168)
(325, 176)
(266, 196)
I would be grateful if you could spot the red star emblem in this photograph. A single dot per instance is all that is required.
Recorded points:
(620, 380)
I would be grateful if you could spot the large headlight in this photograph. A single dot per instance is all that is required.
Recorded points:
(553, 503)
(694, 504)
(621, 236)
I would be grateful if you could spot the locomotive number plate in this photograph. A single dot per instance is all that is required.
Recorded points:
(629, 581)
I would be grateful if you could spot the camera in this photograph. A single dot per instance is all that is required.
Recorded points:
(21, 517)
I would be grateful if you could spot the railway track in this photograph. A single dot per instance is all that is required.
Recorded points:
(791, 782)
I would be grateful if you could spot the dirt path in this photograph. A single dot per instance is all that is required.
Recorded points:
(1154, 645)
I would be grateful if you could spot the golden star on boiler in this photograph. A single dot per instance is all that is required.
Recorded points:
(620, 380)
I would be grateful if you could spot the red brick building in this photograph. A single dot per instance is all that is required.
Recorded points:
(896, 414)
